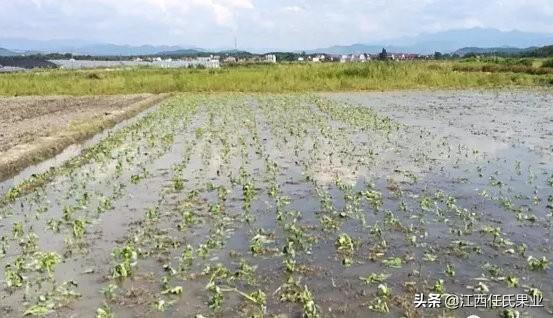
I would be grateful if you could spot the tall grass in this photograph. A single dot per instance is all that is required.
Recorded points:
(547, 63)
(262, 78)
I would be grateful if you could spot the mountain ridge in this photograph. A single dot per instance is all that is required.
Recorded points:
(446, 42)
(6, 52)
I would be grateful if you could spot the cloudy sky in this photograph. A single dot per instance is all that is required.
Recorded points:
(283, 24)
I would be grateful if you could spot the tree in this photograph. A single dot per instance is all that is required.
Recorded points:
(383, 55)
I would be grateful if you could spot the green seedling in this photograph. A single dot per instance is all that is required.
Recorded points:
(375, 278)
(512, 281)
(173, 291)
(510, 313)
(439, 287)
(109, 291)
(538, 264)
(104, 312)
(384, 291)
(345, 244)
(41, 309)
(394, 262)
(78, 229)
(450, 270)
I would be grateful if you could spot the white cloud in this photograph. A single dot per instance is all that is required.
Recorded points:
(263, 23)
(294, 9)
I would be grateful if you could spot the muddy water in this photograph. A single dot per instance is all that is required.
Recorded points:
(212, 174)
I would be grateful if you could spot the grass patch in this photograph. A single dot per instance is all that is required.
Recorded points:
(274, 78)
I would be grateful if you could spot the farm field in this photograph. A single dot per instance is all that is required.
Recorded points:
(34, 128)
(290, 205)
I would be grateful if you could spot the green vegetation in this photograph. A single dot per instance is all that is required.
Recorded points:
(547, 63)
(545, 51)
(272, 78)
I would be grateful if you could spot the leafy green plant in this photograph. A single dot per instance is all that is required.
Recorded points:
(537, 264)
(104, 312)
(394, 262)
(128, 257)
(47, 262)
(375, 278)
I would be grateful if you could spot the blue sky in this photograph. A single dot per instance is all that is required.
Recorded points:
(282, 24)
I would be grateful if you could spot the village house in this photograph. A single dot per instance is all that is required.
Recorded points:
(363, 57)
(230, 60)
(270, 58)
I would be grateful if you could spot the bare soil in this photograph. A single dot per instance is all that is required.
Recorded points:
(31, 125)
(26, 118)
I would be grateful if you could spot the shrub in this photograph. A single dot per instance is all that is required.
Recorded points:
(548, 63)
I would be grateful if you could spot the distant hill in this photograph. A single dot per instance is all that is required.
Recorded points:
(122, 50)
(81, 47)
(447, 42)
(26, 62)
(6, 52)
(546, 51)
(350, 49)
(491, 50)
(200, 52)
(181, 52)
(425, 43)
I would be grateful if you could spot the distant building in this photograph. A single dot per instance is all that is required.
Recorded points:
(207, 62)
(363, 57)
(270, 58)
(407, 56)
(301, 59)
(318, 58)
(230, 60)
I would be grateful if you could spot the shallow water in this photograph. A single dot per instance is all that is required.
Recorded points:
(446, 176)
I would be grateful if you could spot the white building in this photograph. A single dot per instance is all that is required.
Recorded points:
(270, 58)
(355, 58)
(207, 62)
(230, 60)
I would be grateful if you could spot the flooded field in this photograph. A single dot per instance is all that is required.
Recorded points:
(331, 205)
